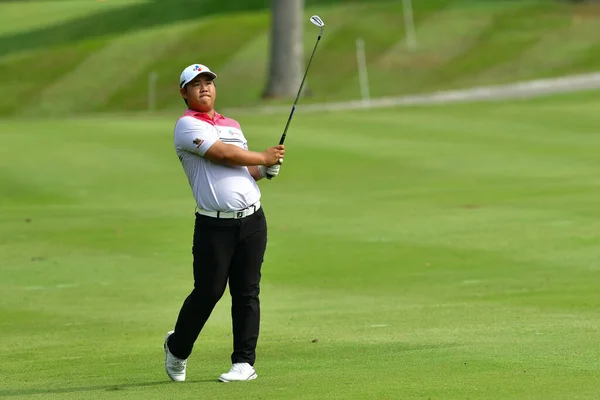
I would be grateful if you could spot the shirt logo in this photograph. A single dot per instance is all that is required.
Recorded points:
(198, 142)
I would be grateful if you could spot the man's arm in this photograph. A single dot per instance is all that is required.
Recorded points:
(194, 137)
(232, 155)
(255, 172)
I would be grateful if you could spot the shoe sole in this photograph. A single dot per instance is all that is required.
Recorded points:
(251, 377)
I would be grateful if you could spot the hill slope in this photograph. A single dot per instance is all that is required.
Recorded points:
(97, 57)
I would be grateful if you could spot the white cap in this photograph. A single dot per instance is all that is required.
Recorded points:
(193, 71)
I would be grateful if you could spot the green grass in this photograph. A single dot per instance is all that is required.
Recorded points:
(73, 57)
(444, 252)
(19, 17)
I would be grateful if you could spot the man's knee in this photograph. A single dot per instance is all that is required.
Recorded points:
(207, 296)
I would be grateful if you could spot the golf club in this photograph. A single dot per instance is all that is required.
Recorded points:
(316, 20)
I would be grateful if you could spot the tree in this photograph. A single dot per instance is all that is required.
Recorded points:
(286, 51)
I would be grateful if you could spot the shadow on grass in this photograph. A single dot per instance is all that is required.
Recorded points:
(108, 388)
(115, 22)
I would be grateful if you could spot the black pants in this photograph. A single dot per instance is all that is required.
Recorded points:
(224, 249)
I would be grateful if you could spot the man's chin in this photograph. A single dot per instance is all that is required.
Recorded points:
(203, 107)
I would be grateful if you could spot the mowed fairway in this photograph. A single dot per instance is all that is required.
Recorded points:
(447, 252)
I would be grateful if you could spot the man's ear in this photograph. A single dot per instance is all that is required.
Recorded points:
(183, 93)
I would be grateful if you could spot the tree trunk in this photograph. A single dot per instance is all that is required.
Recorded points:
(286, 58)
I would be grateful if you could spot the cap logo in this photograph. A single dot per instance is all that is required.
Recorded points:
(197, 68)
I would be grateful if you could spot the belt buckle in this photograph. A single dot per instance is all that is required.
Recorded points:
(240, 214)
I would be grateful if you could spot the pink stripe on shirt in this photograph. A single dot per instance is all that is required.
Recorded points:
(219, 120)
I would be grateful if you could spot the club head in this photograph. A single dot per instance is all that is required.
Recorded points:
(315, 19)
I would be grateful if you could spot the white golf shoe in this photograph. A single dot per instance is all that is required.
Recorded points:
(239, 372)
(174, 366)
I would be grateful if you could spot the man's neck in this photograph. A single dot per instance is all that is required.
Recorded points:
(210, 113)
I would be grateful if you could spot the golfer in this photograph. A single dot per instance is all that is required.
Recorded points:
(230, 232)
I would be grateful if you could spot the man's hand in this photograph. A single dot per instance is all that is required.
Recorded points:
(273, 170)
(273, 155)
(268, 171)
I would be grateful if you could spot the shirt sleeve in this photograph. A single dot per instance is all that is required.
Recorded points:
(194, 136)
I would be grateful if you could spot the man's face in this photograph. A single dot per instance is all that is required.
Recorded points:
(200, 93)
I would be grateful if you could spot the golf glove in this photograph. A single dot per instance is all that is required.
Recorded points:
(272, 170)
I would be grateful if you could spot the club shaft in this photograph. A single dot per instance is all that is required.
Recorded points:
(299, 91)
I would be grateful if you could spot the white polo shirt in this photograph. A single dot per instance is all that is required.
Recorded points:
(215, 187)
